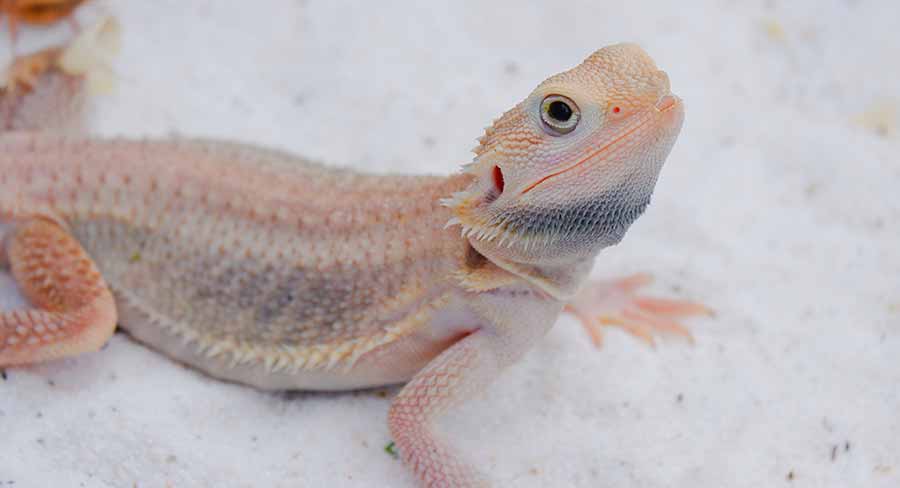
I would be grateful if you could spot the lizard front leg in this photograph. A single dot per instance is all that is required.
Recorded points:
(459, 372)
(75, 311)
(515, 321)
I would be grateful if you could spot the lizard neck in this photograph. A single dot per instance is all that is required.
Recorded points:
(483, 271)
(560, 281)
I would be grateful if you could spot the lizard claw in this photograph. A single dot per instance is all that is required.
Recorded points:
(616, 303)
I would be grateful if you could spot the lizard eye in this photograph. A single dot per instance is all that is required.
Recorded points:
(559, 114)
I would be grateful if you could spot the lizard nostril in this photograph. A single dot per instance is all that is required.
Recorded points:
(666, 102)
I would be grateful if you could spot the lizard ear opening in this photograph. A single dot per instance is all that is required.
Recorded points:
(498, 179)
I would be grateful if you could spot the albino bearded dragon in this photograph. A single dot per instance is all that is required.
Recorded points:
(259, 267)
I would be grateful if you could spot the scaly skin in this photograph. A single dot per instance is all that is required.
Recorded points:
(258, 267)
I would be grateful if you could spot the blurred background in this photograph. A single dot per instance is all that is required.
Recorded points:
(779, 207)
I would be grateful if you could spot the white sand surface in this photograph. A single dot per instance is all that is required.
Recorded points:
(779, 207)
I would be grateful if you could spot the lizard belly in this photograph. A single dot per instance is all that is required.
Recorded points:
(391, 363)
(275, 323)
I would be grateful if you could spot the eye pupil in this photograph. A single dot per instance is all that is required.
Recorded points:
(560, 111)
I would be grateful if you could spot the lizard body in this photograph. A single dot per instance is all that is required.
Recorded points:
(258, 274)
(259, 267)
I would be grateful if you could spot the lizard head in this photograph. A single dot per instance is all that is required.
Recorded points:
(566, 171)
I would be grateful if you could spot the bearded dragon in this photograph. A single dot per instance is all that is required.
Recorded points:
(259, 267)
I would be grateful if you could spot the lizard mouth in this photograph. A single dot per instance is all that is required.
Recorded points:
(665, 103)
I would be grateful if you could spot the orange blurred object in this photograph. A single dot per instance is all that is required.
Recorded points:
(36, 12)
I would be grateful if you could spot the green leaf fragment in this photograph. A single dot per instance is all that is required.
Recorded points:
(391, 449)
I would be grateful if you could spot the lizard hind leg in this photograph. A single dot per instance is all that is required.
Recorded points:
(616, 303)
(74, 309)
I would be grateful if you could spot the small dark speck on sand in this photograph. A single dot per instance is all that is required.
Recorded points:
(3, 374)
(790, 476)
(679, 398)
(834, 450)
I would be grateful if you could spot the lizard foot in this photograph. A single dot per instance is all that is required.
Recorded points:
(616, 303)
